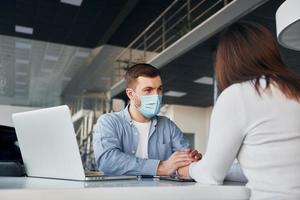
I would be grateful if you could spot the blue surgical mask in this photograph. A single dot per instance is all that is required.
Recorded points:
(150, 105)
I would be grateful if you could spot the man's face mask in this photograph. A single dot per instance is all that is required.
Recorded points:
(150, 105)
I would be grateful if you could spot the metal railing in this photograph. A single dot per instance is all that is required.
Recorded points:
(175, 21)
(84, 134)
(85, 111)
(99, 101)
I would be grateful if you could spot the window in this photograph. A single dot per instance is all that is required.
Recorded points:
(191, 138)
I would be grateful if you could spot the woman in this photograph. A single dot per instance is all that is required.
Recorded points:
(256, 118)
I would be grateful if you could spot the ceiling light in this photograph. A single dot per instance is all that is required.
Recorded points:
(21, 73)
(21, 45)
(24, 29)
(105, 79)
(175, 93)
(72, 2)
(41, 89)
(19, 90)
(20, 83)
(205, 80)
(22, 61)
(288, 24)
(46, 70)
(51, 58)
(67, 78)
(3, 83)
(81, 54)
(19, 96)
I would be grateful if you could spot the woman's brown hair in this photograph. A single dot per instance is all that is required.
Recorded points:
(248, 51)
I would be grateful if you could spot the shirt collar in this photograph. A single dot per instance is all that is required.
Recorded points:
(129, 119)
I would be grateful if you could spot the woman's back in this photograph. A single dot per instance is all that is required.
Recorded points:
(263, 132)
(270, 154)
(256, 117)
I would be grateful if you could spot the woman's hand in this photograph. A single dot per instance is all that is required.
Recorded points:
(195, 155)
(183, 172)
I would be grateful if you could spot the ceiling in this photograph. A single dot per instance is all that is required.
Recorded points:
(58, 22)
(84, 25)
(180, 74)
(64, 53)
(60, 41)
(34, 72)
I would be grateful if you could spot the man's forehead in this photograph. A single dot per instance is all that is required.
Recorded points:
(149, 81)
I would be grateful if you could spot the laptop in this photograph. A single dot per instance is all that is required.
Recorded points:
(49, 147)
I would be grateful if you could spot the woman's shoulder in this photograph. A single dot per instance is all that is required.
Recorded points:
(236, 88)
(240, 87)
(238, 92)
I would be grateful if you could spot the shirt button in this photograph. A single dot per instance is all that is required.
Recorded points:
(133, 151)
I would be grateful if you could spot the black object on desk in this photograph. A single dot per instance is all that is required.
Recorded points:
(11, 163)
(176, 178)
(11, 169)
(169, 178)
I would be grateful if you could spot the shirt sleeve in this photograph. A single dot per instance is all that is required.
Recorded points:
(178, 140)
(109, 157)
(225, 138)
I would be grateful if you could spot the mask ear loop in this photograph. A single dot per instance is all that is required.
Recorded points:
(158, 104)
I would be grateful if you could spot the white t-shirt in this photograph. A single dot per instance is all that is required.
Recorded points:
(143, 133)
(263, 133)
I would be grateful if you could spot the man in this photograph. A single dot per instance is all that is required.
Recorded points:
(135, 141)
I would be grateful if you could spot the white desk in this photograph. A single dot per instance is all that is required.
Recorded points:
(49, 189)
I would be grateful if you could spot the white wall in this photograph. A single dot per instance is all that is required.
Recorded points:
(118, 105)
(6, 112)
(191, 120)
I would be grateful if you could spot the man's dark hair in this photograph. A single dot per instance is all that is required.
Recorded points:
(141, 69)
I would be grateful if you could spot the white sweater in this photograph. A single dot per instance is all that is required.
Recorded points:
(263, 133)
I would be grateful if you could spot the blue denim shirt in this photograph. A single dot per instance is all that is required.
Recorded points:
(116, 139)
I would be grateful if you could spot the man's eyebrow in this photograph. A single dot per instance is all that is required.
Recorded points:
(148, 87)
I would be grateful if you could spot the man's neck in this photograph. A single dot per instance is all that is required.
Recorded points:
(136, 115)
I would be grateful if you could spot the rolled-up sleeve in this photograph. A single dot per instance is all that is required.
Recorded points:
(108, 152)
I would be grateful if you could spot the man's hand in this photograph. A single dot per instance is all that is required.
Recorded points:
(177, 160)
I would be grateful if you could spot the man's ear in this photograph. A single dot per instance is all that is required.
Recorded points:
(129, 92)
